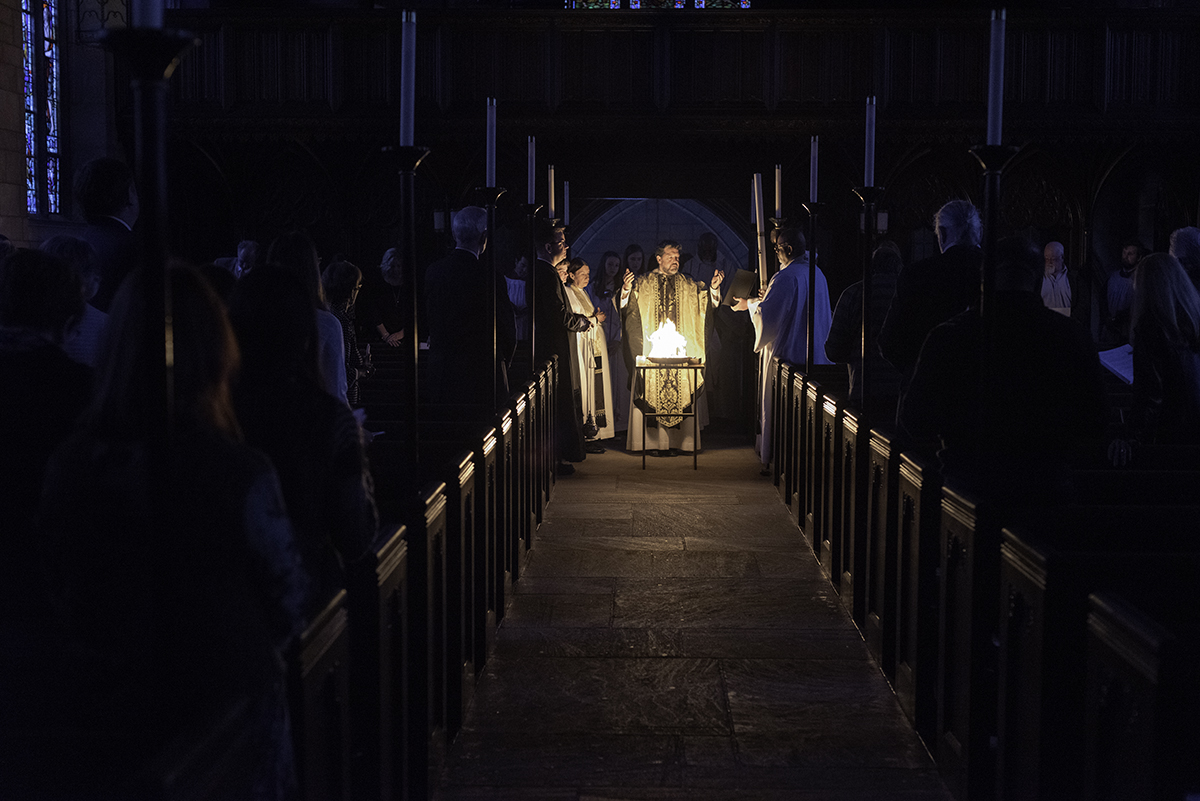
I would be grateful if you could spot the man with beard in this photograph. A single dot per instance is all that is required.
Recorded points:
(655, 298)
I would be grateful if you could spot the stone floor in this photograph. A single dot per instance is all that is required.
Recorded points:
(673, 638)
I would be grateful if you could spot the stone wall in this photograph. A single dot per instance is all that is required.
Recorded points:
(13, 218)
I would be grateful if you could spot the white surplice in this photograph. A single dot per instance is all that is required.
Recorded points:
(781, 329)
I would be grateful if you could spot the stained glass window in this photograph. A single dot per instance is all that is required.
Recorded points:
(41, 59)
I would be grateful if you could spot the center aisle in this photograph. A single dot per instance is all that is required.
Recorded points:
(673, 638)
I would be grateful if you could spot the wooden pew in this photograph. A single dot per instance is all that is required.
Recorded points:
(454, 466)
(380, 651)
(1048, 570)
(881, 544)
(968, 592)
(827, 514)
(814, 459)
(319, 693)
(1143, 671)
(919, 485)
(780, 387)
(853, 585)
(795, 469)
(482, 533)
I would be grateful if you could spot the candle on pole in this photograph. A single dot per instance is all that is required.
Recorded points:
(490, 170)
(812, 171)
(550, 202)
(869, 166)
(566, 202)
(779, 191)
(995, 109)
(408, 70)
(760, 225)
(148, 13)
(532, 161)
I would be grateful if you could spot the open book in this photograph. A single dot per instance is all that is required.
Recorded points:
(1119, 362)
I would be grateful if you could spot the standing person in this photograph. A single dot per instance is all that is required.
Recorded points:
(1166, 357)
(595, 378)
(42, 393)
(387, 308)
(1045, 409)
(844, 344)
(1185, 247)
(296, 254)
(313, 439)
(245, 260)
(459, 293)
(515, 281)
(654, 299)
(1057, 286)
(177, 586)
(554, 322)
(106, 193)
(1119, 294)
(342, 282)
(635, 260)
(83, 343)
(780, 321)
(933, 290)
(605, 293)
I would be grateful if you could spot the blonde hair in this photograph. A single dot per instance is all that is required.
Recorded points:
(1164, 294)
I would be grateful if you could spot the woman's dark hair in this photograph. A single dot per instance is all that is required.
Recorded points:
(574, 266)
(296, 253)
(340, 279)
(39, 291)
(630, 250)
(276, 326)
(205, 360)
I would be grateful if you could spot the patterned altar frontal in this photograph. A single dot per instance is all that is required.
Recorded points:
(685, 303)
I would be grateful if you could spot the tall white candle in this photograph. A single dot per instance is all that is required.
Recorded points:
(550, 204)
(869, 166)
(566, 202)
(532, 174)
(779, 191)
(812, 170)
(995, 109)
(760, 225)
(148, 13)
(408, 76)
(491, 143)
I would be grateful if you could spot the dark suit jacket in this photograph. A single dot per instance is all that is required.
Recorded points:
(116, 256)
(458, 303)
(928, 292)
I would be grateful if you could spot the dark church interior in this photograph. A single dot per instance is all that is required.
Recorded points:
(946, 547)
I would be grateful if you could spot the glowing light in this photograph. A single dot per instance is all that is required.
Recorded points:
(667, 343)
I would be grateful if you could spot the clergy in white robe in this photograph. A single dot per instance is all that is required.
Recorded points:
(656, 297)
(781, 321)
(591, 349)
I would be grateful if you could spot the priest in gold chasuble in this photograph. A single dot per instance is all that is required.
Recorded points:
(659, 296)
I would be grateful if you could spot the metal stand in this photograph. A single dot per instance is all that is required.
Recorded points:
(695, 368)
(152, 55)
(410, 159)
(993, 159)
(488, 197)
(870, 230)
(814, 211)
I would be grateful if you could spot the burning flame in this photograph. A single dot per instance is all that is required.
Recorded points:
(666, 342)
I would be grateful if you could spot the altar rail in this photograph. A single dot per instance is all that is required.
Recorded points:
(979, 615)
